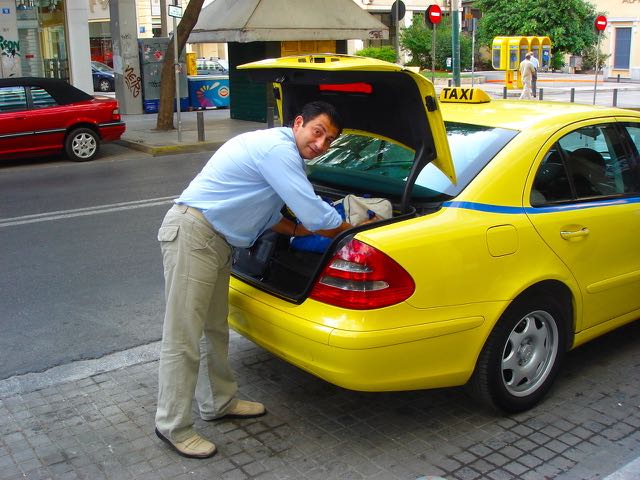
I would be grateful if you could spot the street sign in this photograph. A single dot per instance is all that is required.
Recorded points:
(175, 11)
(601, 23)
(434, 14)
(398, 8)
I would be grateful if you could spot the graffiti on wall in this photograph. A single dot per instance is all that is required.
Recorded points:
(133, 81)
(9, 56)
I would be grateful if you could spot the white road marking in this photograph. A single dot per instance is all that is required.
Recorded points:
(81, 212)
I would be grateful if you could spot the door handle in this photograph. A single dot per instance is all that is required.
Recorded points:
(573, 234)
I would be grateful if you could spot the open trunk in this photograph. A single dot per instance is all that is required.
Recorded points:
(274, 265)
(393, 129)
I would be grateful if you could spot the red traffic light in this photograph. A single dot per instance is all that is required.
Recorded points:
(434, 14)
(601, 23)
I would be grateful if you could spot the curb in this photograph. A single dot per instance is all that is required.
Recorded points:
(160, 150)
(79, 370)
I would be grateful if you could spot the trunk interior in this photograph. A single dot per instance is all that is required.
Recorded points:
(271, 264)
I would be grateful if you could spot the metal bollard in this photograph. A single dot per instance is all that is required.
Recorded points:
(449, 82)
(615, 97)
(200, 122)
(573, 95)
(504, 92)
(541, 93)
(618, 81)
(269, 117)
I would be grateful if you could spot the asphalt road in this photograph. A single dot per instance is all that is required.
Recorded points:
(81, 268)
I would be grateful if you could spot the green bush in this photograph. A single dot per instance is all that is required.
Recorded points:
(386, 53)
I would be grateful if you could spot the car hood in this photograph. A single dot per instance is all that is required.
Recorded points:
(372, 96)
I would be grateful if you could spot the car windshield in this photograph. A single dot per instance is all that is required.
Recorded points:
(373, 165)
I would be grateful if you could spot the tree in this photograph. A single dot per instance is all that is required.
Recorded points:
(416, 39)
(167, 75)
(568, 23)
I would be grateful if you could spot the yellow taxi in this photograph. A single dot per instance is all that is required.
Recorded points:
(514, 236)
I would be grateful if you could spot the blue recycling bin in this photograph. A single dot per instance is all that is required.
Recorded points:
(208, 91)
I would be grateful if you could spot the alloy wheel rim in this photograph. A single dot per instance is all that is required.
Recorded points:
(84, 145)
(529, 353)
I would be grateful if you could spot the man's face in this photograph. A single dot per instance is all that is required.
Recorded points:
(314, 137)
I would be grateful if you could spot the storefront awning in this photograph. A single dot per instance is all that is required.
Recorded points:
(281, 20)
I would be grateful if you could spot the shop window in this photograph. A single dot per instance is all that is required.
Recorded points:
(43, 39)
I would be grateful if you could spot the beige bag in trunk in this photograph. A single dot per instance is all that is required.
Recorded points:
(359, 209)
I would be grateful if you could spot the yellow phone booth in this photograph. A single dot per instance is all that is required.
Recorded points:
(508, 52)
(499, 53)
(534, 46)
(511, 75)
(545, 52)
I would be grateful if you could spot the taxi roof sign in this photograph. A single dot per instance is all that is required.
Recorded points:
(463, 95)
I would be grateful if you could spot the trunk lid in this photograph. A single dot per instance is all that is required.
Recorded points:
(375, 97)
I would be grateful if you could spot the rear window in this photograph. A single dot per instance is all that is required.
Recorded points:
(366, 164)
(41, 98)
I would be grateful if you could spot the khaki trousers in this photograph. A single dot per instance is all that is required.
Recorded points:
(197, 266)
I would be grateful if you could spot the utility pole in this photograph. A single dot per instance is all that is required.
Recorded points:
(396, 6)
(164, 31)
(176, 61)
(455, 41)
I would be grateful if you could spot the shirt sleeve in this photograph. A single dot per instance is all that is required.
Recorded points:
(283, 169)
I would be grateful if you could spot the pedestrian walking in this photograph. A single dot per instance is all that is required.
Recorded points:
(526, 75)
(534, 77)
(238, 195)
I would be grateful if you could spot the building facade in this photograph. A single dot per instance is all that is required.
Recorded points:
(35, 39)
(621, 38)
(36, 35)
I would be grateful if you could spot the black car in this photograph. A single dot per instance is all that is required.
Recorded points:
(103, 77)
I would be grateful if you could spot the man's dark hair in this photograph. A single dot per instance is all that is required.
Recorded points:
(312, 109)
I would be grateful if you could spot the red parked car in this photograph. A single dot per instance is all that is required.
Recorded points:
(43, 116)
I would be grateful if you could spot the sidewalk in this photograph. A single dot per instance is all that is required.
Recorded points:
(141, 133)
(94, 420)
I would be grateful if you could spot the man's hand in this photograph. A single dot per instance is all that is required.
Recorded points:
(372, 219)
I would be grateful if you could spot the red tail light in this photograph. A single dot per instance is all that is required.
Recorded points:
(361, 277)
(115, 114)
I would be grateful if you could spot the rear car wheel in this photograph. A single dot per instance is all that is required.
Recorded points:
(81, 145)
(104, 85)
(522, 355)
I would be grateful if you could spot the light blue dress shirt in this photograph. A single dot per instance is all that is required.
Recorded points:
(245, 184)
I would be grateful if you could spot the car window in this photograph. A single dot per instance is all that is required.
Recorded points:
(12, 98)
(588, 163)
(376, 165)
(631, 168)
(41, 98)
(101, 67)
(552, 181)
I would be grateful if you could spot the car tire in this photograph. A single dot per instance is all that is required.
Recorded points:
(104, 85)
(82, 145)
(522, 356)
